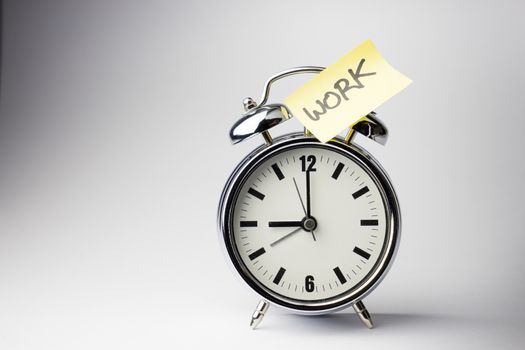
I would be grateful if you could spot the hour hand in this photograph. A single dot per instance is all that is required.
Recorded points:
(284, 223)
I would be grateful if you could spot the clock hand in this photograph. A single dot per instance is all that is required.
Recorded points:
(285, 236)
(308, 205)
(284, 223)
(308, 209)
(299, 194)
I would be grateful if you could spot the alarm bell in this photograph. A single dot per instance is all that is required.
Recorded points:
(260, 118)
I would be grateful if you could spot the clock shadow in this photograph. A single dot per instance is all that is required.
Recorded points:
(345, 321)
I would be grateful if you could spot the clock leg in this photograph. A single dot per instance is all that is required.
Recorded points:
(363, 314)
(259, 313)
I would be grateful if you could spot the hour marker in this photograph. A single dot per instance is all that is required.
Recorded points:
(362, 253)
(277, 171)
(279, 275)
(338, 170)
(369, 222)
(256, 253)
(256, 193)
(360, 192)
(340, 275)
(248, 223)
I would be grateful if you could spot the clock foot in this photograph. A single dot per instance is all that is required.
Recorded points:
(259, 313)
(363, 314)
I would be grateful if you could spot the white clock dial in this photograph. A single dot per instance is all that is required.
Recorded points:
(275, 212)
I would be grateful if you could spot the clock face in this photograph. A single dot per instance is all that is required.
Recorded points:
(309, 223)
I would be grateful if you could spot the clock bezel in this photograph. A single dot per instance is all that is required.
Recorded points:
(392, 212)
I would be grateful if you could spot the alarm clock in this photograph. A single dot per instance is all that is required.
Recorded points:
(311, 227)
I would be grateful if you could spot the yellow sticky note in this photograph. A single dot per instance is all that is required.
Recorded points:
(345, 92)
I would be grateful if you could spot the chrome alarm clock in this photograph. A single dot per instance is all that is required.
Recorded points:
(311, 227)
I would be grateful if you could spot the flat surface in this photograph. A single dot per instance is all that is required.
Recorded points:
(114, 118)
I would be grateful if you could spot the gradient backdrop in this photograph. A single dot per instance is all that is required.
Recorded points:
(113, 153)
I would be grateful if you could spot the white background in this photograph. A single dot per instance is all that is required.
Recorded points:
(113, 152)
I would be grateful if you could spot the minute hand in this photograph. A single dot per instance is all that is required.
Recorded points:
(308, 211)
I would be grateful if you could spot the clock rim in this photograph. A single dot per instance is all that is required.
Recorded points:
(392, 211)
